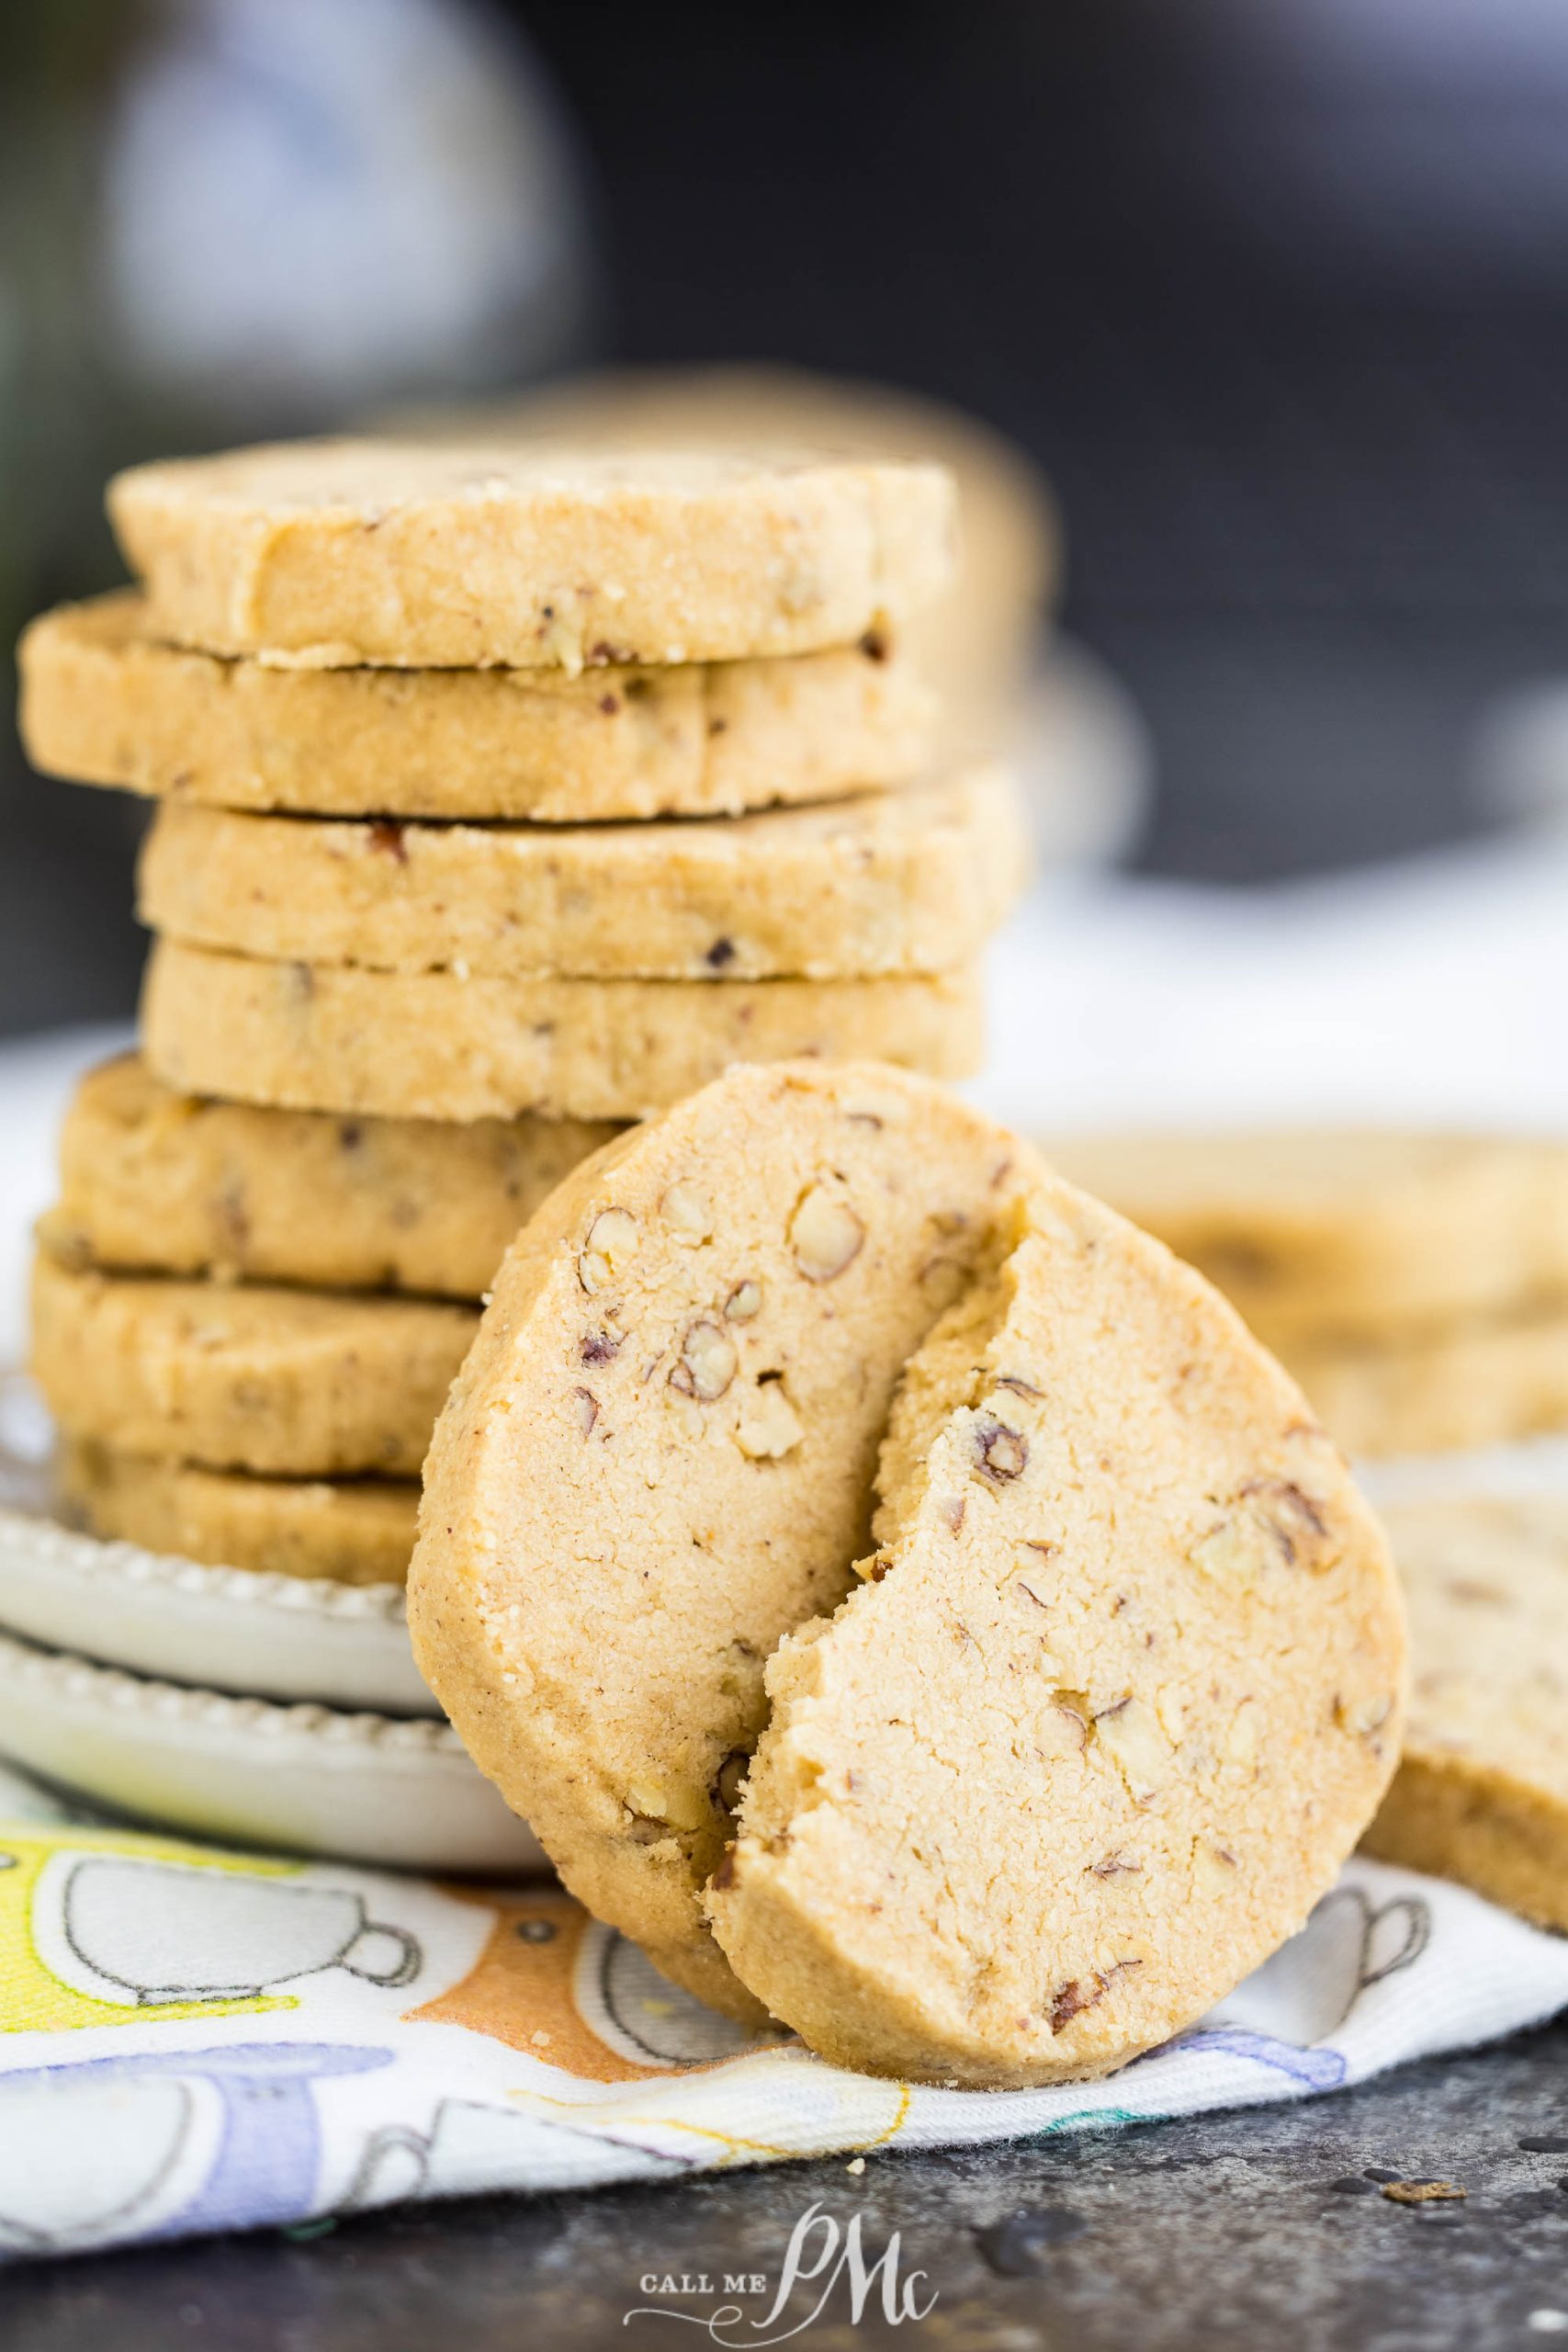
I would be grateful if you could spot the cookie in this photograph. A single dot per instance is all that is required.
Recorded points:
(349, 1530)
(105, 701)
(323, 553)
(981, 638)
(908, 882)
(1479, 1383)
(430, 1046)
(297, 1383)
(1120, 1692)
(1359, 1231)
(1482, 1792)
(157, 1181)
(658, 1457)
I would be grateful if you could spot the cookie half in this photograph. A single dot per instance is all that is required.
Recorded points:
(1326, 1234)
(1482, 1792)
(339, 552)
(347, 1530)
(154, 1180)
(658, 1457)
(1122, 1690)
(105, 700)
(431, 1045)
(914, 881)
(304, 1383)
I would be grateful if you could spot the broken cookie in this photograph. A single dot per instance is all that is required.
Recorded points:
(1121, 1687)
(658, 1457)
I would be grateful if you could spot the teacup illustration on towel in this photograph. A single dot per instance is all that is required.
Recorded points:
(622, 1998)
(157, 2143)
(1306, 1992)
(160, 1932)
(471, 2146)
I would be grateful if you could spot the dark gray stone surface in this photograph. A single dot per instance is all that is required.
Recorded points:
(1239, 2233)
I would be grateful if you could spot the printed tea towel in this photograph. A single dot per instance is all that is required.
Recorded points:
(193, 2039)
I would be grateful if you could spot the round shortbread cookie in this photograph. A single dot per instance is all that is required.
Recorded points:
(658, 1457)
(1358, 1231)
(1482, 1792)
(347, 1530)
(1481, 1383)
(908, 882)
(301, 1384)
(331, 553)
(152, 1181)
(105, 701)
(981, 637)
(1122, 1690)
(430, 1046)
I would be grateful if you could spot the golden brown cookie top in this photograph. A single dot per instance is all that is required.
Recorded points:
(342, 551)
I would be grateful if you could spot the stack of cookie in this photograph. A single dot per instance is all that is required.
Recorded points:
(1416, 1284)
(504, 796)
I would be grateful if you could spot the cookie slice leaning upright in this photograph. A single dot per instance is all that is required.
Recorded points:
(1122, 1689)
(658, 1457)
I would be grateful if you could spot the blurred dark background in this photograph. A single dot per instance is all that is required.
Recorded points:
(1274, 290)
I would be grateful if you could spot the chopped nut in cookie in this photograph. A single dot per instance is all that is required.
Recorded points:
(1129, 1732)
(672, 1806)
(769, 1427)
(1001, 1453)
(1295, 1521)
(825, 1234)
(732, 1779)
(610, 1247)
(688, 1212)
(707, 1363)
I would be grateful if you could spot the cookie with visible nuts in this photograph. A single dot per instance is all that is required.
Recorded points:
(658, 1458)
(345, 1530)
(106, 701)
(1121, 1686)
(434, 1045)
(334, 553)
(913, 881)
(295, 1383)
(1482, 1790)
(157, 1181)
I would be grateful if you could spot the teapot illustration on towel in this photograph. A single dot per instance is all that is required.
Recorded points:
(160, 1932)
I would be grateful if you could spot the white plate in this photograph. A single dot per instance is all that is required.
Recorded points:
(304, 1779)
(229, 1629)
(278, 1637)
